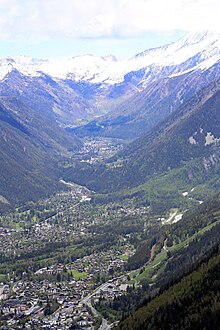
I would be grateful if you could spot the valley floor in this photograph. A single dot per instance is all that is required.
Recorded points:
(70, 262)
(66, 264)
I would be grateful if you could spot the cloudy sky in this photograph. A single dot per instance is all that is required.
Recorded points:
(55, 28)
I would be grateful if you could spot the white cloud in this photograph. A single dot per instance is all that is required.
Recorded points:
(48, 19)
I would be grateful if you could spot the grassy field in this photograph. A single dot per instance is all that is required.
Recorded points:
(124, 257)
(78, 275)
(152, 267)
(3, 277)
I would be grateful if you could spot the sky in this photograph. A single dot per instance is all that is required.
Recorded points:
(59, 28)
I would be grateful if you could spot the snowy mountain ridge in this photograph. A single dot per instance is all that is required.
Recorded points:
(81, 67)
(195, 51)
(201, 50)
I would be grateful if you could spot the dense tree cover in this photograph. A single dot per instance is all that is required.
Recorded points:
(142, 254)
(173, 267)
(192, 303)
(188, 243)
(51, 307)
(193, 221)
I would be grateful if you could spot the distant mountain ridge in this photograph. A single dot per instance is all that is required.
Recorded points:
(199, 50)
(140, 112)
(81, 89)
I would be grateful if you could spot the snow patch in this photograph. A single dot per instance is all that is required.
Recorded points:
(192, 140)
(178, 218)
(211, 139)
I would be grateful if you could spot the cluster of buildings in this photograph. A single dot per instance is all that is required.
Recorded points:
(52, 304)
(97, 150)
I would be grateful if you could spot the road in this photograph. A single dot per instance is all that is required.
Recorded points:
(87, 301)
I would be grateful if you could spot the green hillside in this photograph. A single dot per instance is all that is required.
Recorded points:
(192, 303)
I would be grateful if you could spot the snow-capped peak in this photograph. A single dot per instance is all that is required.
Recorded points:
(82, 67)
(185, 48)
(199, 36)
(201, 49)
(6, 66)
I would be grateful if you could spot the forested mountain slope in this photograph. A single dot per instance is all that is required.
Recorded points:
(190, 134)
(164, 257)
(192, 303)
(31, 144)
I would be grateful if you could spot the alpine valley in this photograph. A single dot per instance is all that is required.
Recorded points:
(110, 189)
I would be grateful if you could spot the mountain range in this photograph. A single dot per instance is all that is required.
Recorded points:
(166, 97)
(83, 87)
(198, 51)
